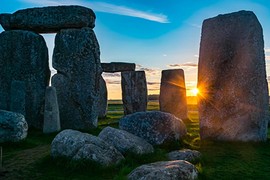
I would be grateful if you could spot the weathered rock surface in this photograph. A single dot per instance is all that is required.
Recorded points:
(17, 97)
(51, 111)
(172, 170)
(49, 19)
(134, 91)
(125, 142)
(172, 97)
(24, 57)
(13, 127)
(103, 98)
(76, 58)
(184, 154)
(233, 105)
(154, 126)
(118, 67)
(76, 145)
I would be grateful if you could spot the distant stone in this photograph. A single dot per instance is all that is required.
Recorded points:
(76, 58)
(49, 19)
(154, 126)
(24, 57)
(17, 97)
(173, 170)
(51, 111)
(75, 145)
(173, 97)
(125, 142)
(118, 67)
(13, 127)
(103, 98)
(134, 91)
(184, 154)
(233, 105)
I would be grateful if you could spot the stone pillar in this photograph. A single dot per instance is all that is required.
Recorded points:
(172, 97)
(51, 111)
(17, 97)
(134, 91)
(24, 57)
(103, 98)
(76, 58)
(233, 101)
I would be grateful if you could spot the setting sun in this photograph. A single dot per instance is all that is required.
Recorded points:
(195, 91)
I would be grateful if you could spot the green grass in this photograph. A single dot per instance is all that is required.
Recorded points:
(30, 159)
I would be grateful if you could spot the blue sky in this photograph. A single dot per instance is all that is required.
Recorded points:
(154, 34)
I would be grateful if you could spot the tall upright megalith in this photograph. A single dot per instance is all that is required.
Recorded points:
(134, 91)
(233, 101)
(172, 97)
(103, 98)
(24, 58)
(76, 58)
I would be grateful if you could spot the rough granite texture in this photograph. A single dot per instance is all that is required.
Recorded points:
(76, 58)
(154, 126)
(24, 57)
(75, 145)
(17, 97)
(184, 154)
(134, 91)
(172, 97)
(49, 19)
(173, 170)
(103, 98)
(118, 67)
(125, 142)
(13, 127)
(51, 111)
(233, 101)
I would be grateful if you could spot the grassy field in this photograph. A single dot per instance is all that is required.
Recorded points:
(31, 159)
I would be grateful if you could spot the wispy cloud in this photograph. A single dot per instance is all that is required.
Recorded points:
(112, 82)
(106, 75)
(188, 64)
(267, 58)
(106, 8)
(267, 50)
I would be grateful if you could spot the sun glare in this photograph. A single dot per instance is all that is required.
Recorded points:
(195, 91)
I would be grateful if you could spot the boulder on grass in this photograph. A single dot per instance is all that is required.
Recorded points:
(75, 145)
(172, 170)
(125, 142)
(154, 126)
(13, 126)
(184, 154)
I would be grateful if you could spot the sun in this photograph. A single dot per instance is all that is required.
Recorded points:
(195, 91)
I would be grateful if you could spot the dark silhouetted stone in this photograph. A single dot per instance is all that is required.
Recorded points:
(233, 101)
(154, 126)
(13, 126)
(134, 91)
(51, 111)
(103, 98)
(24, 57)
(76, 58)
(118, 67)
(172, 97)
(49, 19)
(173, 170)
(17, 97)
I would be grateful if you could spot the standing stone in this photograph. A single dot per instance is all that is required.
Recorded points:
(24, 57)
(51, 112)
(17, 96)
(172, 97)
(233, 102)
(103, 98)
(49, 19)
(76, 58)
(134, 91)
